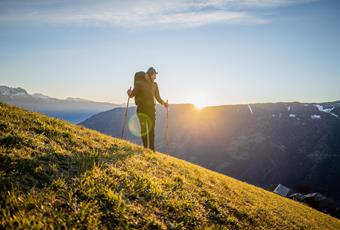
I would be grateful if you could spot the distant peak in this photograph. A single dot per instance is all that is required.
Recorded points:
(76, 99)
(9, 91)
(39, 95)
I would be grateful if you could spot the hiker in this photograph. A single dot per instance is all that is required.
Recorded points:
(145, 91)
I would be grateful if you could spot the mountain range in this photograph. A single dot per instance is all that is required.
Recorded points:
(265, 144)
(71, 109)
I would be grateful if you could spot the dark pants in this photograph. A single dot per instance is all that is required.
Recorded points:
(147, 117)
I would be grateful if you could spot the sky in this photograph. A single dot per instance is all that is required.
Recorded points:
(209, 52)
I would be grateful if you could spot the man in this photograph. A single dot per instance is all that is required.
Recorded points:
(145, 91)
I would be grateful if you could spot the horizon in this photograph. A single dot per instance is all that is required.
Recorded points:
(199, 107)
(206, 52)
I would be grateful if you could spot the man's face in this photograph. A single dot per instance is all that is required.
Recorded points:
(153, 76)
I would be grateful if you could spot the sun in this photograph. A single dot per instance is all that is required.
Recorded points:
(200, 101)
(200, 106)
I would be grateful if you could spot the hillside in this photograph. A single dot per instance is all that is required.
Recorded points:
(55, 174)
(264, 144)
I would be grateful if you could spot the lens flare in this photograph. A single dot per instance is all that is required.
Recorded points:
(134, 124)
(200, 101)
(199, 106)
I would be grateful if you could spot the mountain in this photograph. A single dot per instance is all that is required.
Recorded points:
(295, 144)
(58, 175)
(71, 109)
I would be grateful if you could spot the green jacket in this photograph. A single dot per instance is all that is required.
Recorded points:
(145, 93)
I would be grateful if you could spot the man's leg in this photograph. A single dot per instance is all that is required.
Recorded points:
(142, 122)
(152, 115)
(147, 117)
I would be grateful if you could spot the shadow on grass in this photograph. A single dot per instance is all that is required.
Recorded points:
(41, 171)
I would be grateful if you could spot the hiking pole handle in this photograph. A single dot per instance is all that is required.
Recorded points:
(127, 104)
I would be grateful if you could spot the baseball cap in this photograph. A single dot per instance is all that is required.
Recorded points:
(152, 70)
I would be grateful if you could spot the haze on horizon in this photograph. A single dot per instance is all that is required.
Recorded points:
(206, 52)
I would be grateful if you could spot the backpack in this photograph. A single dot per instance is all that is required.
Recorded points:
(139, 76)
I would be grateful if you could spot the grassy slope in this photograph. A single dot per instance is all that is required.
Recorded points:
(53, 173)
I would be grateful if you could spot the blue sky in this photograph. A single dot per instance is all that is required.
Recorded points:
(208, 51)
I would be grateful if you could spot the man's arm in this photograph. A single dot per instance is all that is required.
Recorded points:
(157, 95)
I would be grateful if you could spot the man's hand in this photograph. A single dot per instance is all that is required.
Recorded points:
(129, 92)
(166, 104)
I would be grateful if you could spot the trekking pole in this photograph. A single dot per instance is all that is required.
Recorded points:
(147, 134)
(167, 128)
(125, 116)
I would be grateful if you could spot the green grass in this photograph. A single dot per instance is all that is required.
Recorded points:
(57, 175)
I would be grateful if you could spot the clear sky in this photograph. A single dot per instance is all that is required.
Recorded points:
(207, 51)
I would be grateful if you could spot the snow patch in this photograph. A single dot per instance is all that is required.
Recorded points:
(314, 116)
(19, 94)
(288, 108)
(4, 90)
(73, 99)
(12, 92)
(292, 115)
(329, 110)
(41, 96)
(250, 109)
